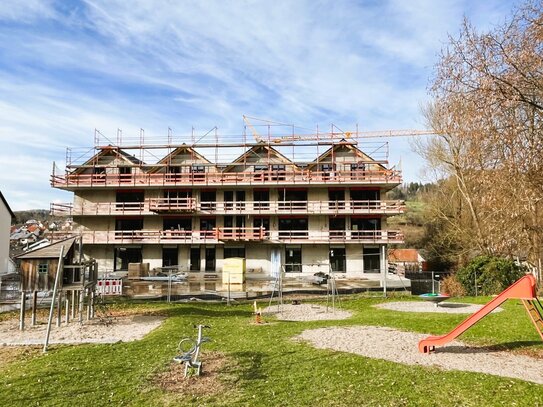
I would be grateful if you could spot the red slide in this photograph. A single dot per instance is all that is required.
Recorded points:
(524, 289)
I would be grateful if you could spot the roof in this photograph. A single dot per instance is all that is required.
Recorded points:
(405, 255)
(50, 251)
(182, 149)
(110, 150)
(348, 145)
(7, 206)
(254, 150)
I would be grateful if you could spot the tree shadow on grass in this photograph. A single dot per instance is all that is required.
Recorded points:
(249, 366)
(502, 347)
(209, 313)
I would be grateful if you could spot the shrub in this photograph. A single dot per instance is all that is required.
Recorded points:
(491, 275)
(451, 286)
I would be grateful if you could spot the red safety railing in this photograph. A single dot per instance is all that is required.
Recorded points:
(217, 235)
(189, 205)
(141, 179)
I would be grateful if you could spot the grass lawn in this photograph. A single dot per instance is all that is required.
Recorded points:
(262, 366)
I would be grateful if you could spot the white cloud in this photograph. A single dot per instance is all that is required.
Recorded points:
(26, 11)
(117, 64)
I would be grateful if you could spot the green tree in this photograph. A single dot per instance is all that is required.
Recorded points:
(490, 274)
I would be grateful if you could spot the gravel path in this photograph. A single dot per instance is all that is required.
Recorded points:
(305, 312)
(426, 306)
(123, 329)
(401, 347)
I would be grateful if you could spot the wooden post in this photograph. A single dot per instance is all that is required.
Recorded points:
(57, 278)
(67, 308)
(59, 308)
(81, 301)
(92, 304)
(22, 314)
(88, 305)
(73, 299)
(34, 306)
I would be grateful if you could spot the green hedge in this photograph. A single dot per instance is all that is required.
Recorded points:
(491, 274)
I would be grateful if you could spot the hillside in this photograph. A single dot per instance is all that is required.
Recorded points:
(40, 215)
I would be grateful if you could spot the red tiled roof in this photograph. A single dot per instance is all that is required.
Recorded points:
(404, 255)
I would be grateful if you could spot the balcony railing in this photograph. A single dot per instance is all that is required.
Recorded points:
(226, 178)
(219, 235)
(172, 204)
(189, 205)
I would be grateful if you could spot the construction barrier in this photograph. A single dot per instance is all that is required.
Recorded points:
(110, 286)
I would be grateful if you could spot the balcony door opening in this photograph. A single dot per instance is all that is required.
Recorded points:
(174, 194)
(293, 228)
(129, 224)
(337, 260)
(172, 173)
(372, 260)
(360, 197)
(336, 199)
(178, 199)
(358, 170)
(293, 259)
(197, 172)
(194, 259)
(170, 256)
(211, 259)
(292, 199)
(176, 227)
(234, 252)
(260, 172)
(336, 227)
(261, 199)
(208, 200)
(234, 200)
(234, 221)
(129, 196)
(365, 227)
(129, 200)
(278, 172)
(126, 255)
(328, 171)
(262, 223)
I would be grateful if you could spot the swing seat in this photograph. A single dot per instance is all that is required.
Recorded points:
(187, 357)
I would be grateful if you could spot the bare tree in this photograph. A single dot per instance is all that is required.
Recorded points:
(487, 109)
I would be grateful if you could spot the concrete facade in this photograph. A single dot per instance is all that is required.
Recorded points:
(322, 216)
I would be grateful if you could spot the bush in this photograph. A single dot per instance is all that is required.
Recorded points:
(451, 286)
(491, 274)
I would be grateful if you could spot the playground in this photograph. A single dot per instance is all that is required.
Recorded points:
(302, 353)
(118, 329)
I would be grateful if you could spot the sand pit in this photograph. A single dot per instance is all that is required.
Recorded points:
(401, 347)
(305, 312)
(122, 329)
(426, 306)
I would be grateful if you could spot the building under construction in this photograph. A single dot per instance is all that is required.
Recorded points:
(284, 202)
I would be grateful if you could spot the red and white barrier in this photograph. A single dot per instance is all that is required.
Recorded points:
(110, 286)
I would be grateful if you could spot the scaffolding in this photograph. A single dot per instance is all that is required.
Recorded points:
(318, 278)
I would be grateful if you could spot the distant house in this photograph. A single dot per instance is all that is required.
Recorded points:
(6, 216)
(406, 260)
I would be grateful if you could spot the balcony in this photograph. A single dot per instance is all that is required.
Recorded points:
(189, 205)
(169, 205)
(100, 208)
(243, 234)
(287, 177)
(220, 235)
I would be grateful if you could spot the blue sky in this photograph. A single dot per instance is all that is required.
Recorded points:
(68, 67)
